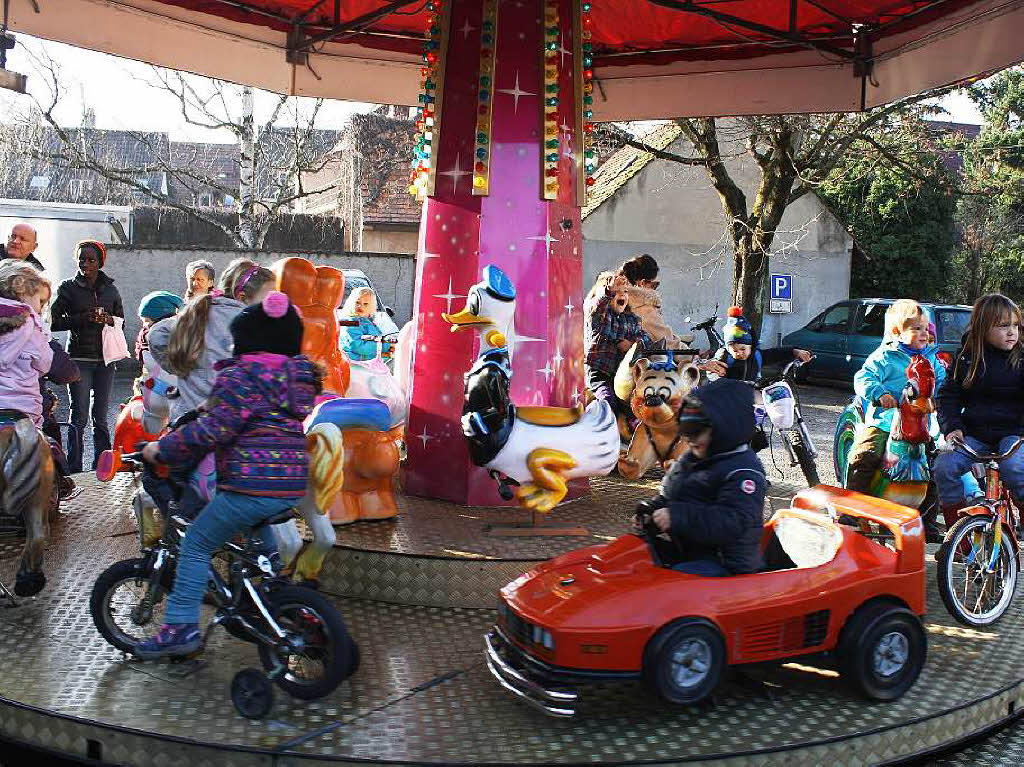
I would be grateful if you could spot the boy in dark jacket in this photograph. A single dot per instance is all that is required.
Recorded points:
(712, 499)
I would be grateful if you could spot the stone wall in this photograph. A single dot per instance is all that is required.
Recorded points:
(137, 271)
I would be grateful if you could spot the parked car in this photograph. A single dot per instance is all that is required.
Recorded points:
(842, 336)
(844, 581)
(356, 278)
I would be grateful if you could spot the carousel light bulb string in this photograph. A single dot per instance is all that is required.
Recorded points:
(549, 103)
(485, 99)
(427, 117)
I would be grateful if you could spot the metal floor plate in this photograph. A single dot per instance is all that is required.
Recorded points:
(423, 694)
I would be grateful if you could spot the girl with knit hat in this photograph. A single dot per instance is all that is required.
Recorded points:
(253, 421)
(741, 358)
(84, 305)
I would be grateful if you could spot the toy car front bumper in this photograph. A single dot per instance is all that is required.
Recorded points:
(551, 702)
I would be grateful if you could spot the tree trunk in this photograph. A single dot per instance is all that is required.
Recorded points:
(247, 150)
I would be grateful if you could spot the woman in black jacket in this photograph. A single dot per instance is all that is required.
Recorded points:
(84, 305)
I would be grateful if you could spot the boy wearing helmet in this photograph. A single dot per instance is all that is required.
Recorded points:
(711, 502)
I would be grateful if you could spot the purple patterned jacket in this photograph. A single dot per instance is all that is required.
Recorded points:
(254, 421)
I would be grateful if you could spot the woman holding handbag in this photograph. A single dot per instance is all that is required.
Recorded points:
(89, 306)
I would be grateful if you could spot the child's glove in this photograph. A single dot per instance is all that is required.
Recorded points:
(647, 507)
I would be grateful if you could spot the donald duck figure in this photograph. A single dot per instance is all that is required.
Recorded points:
(537, 448)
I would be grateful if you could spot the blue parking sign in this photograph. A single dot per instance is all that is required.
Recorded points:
(782, 287)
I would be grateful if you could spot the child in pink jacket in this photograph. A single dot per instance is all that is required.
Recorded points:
(25, 352)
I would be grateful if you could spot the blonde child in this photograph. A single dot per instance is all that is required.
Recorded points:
(27, 352)
(360, 306)
(881, 380)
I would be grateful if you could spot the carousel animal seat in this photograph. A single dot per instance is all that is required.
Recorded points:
(543, 415)
(369, 414)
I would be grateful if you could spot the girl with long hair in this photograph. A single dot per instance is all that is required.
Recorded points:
(981, 402)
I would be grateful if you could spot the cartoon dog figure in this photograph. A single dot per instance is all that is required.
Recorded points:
(660, 382)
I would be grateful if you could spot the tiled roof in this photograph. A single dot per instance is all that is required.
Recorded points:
(622, 165)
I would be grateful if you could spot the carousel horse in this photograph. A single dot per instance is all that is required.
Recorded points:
(26, 484)
(659, 383)
(371, 442)
(904, 474)
(537, 448)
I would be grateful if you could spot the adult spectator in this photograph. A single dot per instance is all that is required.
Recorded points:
(644, 300)
(21, 245)
(84, 305)
(199, 277)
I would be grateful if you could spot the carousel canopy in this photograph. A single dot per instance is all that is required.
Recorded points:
(653, 58)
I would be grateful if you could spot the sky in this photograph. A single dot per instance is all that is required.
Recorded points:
(116, 91)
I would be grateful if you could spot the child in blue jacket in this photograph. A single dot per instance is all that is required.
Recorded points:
(361, 305)
(881, 380)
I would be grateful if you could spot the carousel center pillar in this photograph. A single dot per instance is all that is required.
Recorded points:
(502, 164)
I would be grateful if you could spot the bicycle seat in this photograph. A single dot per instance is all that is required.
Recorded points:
(277, 519)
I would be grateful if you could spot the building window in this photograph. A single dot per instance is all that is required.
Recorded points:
(39, 182)
(205, 200)
(229, 201)
(77, 187)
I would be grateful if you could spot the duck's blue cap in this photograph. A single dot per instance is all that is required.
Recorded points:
(498, 283)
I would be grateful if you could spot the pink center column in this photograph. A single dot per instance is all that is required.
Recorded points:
(536, 241)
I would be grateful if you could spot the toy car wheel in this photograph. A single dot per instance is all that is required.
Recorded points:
(882, 651)
(684, 661)
(252, 693)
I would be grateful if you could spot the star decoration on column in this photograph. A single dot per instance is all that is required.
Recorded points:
(565, 127)
(546, 370)
(516, 93)
(562, 53)
(455, 173)
(524, 339)
(547, 239)
(449, 296)
(569, 307)
(575, 395)
(466, 29)
(424, 437)
(569, 154)
(557, 359)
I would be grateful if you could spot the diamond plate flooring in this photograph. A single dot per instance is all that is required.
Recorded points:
(423, 694)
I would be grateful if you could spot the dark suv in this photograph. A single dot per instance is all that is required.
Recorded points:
(844, 335)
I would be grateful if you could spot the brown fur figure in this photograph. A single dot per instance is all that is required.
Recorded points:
(659, 386)
(371, 460)
(26, 483)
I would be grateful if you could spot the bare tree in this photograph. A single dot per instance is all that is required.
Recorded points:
(270, 161)
(794, 154)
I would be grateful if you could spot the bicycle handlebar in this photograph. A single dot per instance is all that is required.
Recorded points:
(970, 452)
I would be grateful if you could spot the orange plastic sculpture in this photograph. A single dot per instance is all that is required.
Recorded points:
(317, 291)
(371, 460)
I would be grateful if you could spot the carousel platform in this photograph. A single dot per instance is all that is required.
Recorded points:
(423, 694)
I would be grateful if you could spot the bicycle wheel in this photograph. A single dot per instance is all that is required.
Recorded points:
(115, 604)
(973, 593)
(323, 653)
(803, 457)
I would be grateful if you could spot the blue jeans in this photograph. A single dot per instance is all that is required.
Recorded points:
(705, 567)
(951, 465)
(98, 381)
(224, 516)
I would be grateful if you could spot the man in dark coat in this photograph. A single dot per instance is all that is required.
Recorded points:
(712, 499)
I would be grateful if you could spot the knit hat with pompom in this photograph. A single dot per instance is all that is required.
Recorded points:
(737, 330)
(273, 325)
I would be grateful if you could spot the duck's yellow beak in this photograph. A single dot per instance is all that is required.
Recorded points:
(465, 318)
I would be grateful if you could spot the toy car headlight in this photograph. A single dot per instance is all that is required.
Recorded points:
(543, 637)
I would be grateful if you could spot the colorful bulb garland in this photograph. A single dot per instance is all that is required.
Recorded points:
(587, 62)
(549, 103)
(428, 115)
(485, 99)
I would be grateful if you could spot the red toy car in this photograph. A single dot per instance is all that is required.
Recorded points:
(845, 576)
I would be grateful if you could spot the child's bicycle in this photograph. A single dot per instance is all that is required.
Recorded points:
(978, 560)
(302, 641)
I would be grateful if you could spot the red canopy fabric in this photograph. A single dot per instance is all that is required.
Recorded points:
(633, 30)
(715, 57)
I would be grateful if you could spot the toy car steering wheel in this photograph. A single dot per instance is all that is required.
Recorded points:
(650, 535)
